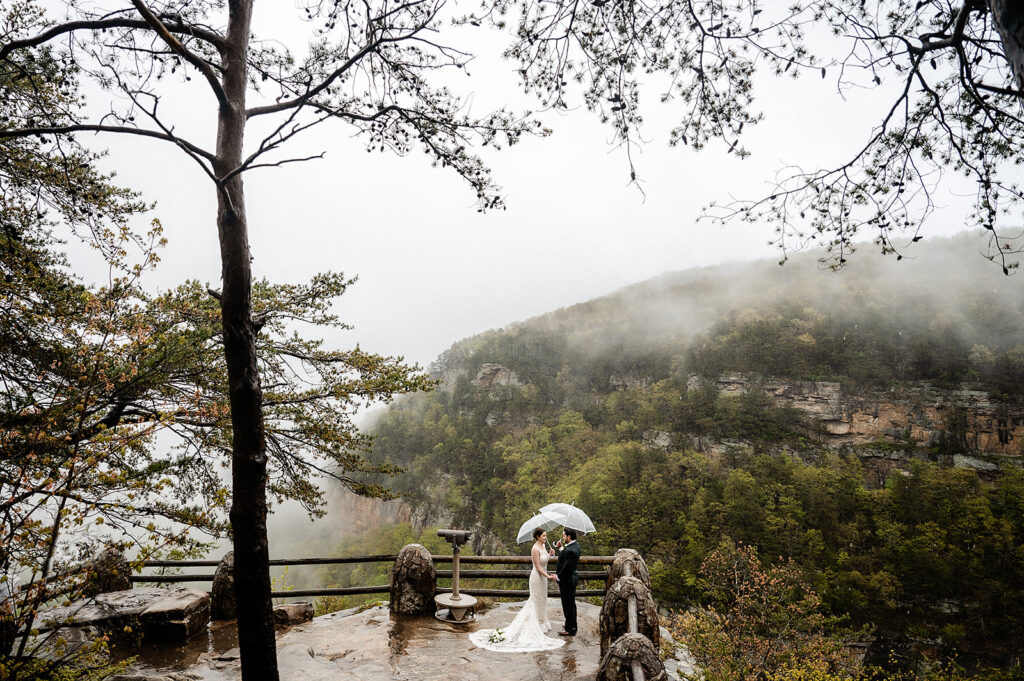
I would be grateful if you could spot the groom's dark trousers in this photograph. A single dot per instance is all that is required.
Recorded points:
(568, 578)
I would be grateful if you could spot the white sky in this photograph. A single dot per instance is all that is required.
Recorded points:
(431, 269)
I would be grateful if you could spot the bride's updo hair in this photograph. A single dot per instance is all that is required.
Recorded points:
(538, 532)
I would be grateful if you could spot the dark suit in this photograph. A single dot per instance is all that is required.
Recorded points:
(568, 578)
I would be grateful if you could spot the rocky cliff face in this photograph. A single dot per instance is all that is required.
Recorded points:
(491, 376)
(365, 513)
(918, 412)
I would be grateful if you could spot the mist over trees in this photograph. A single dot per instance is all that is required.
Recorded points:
(371, 67)
(612, 404)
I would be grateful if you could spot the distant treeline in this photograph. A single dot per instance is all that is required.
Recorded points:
(872, 348)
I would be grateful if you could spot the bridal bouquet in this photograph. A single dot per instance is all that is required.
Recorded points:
(497, 636)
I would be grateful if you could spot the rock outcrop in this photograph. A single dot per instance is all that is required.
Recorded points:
(917, 412)
(146, 613)
(293, 613)
(628, 381)
(491, 376)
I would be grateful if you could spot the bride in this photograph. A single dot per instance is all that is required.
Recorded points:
(526, 632)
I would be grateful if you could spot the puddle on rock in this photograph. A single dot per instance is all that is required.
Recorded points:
(219, 637)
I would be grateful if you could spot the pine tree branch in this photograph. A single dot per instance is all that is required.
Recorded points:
(122, 129)
(174, 26)
(154, 22)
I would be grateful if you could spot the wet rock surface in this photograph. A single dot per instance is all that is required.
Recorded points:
(146, 613)
(148, 677)
(374, 645)
(293, 613)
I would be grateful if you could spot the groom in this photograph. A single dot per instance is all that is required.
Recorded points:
(568, 578)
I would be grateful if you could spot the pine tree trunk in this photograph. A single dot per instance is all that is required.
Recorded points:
(1009, 20)
(257, 646)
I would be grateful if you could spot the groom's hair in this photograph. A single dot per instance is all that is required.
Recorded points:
(571, 533)
(538, 532)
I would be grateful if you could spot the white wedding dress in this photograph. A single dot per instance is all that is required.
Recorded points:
(526, 632)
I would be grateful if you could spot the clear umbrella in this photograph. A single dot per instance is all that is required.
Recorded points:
(569, 516)
(545, 521)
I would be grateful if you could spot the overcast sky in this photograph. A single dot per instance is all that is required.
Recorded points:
(431, 269)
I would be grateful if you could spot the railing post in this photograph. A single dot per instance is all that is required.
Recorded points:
(628, 602)
(222, 590)
(413, 581)
(108, 572)
(634, 627)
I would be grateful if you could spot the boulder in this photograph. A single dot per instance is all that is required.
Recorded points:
(178, 616)
(109, 572)
(617, 662)
(614, 618)
(148, 613)
(638, 568)
(413, 582)
(293, 613)
(222, 591)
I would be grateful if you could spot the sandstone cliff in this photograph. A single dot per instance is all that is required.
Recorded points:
(912, 413)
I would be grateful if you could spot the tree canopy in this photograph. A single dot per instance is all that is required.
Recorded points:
(952, 75)
(114, 410)
(368, 65)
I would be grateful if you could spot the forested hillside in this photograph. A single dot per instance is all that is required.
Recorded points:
(613, 404)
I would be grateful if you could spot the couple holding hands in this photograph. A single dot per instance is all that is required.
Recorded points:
(528, 630)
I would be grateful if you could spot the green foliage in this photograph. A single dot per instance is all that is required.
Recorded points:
(114, 405)
(894, 556)
(761, 619)
(382, 541)
(951, 672)
(872, 348)
(617, 421)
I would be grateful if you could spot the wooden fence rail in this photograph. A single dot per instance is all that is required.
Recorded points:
(383, 558)
(591, 575)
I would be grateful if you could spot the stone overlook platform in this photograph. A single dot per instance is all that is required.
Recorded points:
(371, 645)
